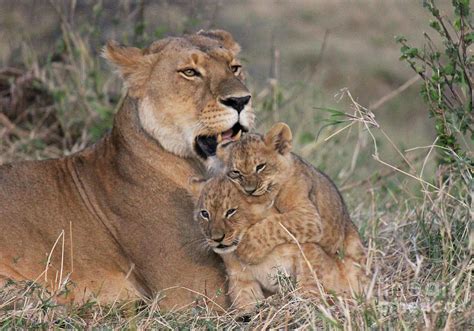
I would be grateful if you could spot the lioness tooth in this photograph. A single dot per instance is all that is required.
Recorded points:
(219, 138)
(237, 136)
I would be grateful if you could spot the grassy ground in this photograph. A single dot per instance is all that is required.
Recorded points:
(57, 96)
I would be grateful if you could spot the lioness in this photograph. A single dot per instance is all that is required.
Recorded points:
(116, 218)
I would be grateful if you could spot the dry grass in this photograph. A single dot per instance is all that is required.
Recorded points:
(415, 218)
(418, 251)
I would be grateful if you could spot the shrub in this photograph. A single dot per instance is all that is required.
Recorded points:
(448, 77)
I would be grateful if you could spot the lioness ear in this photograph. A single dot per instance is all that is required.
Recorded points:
(134, 67)
(224, 37)
(196, 185)
(279, 137)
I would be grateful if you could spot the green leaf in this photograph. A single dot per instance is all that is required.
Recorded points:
(409, 52)
(449, 69)
(333, 112)
(419, 69)
(469, 38)
(457, 24)
(435, 25)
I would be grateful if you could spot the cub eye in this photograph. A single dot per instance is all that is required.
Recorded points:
(236, 69)
(190, 72)
(260, 167)
(204, 214)
(234, 174)
(230, 212)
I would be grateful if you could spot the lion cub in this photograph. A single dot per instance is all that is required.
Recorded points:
(310, 206)
(225, 215)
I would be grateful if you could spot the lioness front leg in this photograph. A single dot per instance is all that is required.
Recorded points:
(301, 223)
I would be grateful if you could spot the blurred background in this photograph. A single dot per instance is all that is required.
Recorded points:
(331, 69)
(58, 95)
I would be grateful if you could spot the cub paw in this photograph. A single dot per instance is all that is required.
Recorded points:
(245, 313)
(244, 317)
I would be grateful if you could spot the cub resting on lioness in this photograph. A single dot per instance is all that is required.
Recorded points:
(225, 215)
(309, 204)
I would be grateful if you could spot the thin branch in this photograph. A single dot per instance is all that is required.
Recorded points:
(394, 93)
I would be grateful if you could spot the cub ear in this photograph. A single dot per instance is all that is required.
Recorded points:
(279, 137)
(224, 37)
(133, 66)
(195, 186)
(223, 151)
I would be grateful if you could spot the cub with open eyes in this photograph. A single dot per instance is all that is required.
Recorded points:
(225, 215)
(309, 204)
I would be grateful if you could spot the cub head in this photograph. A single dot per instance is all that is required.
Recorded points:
(190, 89)
(258, 164)
(224, 213)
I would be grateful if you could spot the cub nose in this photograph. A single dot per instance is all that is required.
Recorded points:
(236, 103)
(218, 237)
(249, 189)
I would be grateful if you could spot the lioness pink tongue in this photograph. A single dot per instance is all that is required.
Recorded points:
(227, 134)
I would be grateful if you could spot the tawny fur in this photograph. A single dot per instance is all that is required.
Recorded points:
(121, 208)
(311, 208)
(227, 216)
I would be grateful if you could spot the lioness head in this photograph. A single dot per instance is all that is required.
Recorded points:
(224, 213)
(190, 90)
(258, 164)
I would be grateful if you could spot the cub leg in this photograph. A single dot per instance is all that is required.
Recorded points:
(354, 260)
(303, 222)
(243, 289)
(353, 247)
(354, 273)
(314, 267)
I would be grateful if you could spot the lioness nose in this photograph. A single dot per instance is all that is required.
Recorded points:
(218, 237)
(236, 103)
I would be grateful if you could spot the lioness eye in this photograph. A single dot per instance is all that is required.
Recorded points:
(230, 212)
(236, 69)
(234, 174)
(260, 167)
(204, 214)
(190, 72)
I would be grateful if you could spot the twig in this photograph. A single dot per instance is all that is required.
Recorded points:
(377, 177)
(394, 93)
(421, 180)
(12, 128)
